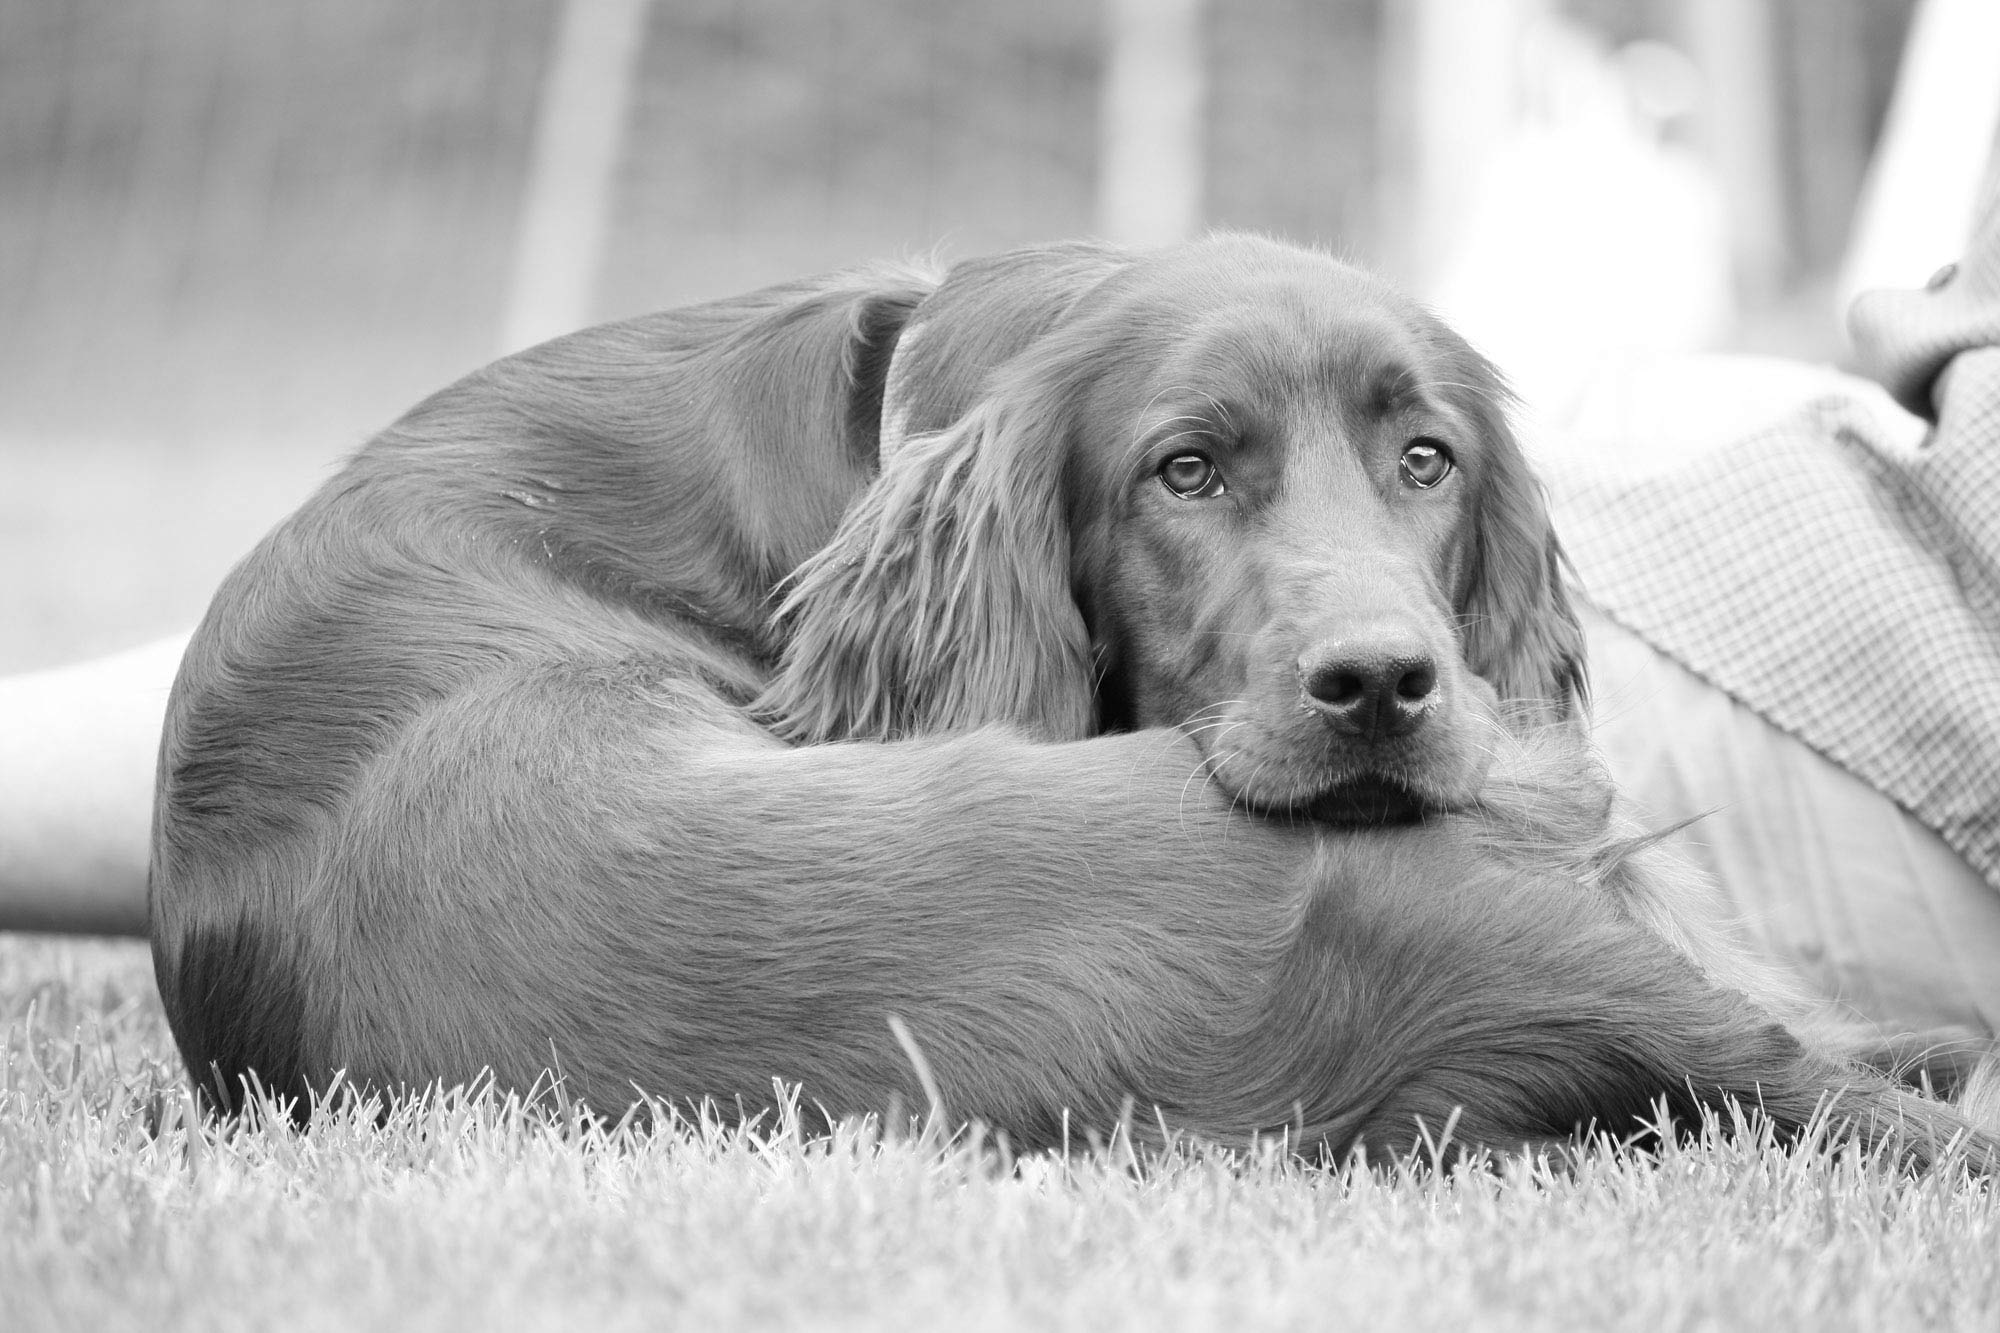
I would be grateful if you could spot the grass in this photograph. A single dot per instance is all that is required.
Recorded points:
(119, 1209)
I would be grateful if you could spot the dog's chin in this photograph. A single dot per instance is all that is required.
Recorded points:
(1368, 802)
(1398, 787)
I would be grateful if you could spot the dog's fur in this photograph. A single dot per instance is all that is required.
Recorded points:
(662, 707)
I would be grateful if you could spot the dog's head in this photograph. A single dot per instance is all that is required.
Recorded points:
(1233, 487)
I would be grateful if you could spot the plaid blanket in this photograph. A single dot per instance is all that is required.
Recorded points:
(1842, 586)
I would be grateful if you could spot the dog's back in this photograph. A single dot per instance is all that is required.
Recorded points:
(578, 506)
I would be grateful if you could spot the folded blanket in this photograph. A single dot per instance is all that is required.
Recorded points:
(1811, 616)
(1828, 876)
(1841, 586)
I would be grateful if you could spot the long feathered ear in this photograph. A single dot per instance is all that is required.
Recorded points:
(1521, 632)
(944, 601)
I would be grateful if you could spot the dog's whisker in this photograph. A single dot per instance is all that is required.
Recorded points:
(1222, 412)
(1140, 432)
(1196, 774)
(1165, 440)
(1208, 717)
(1223, 735)
(1197, 422)
(1211, 763)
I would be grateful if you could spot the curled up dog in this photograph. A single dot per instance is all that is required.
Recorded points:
(1147, 678)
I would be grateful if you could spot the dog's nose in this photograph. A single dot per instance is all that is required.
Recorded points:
(1371, 686)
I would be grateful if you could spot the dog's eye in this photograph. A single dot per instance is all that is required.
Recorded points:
(1192, 477)
(1425, 464)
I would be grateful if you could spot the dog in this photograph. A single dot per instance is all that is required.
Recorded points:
(1077, 681)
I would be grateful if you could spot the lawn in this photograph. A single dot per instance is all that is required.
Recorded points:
(117, 1211)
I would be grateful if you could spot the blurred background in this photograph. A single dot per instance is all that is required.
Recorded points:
(237, 236)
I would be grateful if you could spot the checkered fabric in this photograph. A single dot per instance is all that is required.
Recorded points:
(1842, 586)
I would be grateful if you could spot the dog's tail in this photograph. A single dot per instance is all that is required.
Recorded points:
(1525, 1009)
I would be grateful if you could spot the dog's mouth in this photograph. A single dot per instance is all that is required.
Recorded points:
(1313, 777)
(1367, 802)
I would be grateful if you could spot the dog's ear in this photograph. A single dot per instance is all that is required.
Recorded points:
(984, 315)
(944, 600)
(1521, 632)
